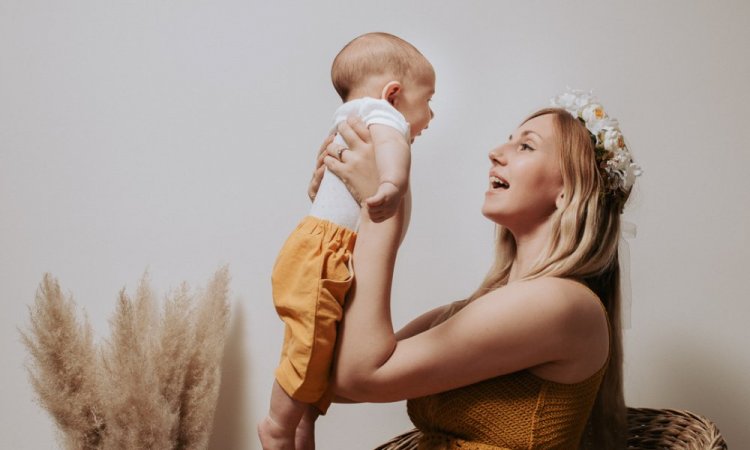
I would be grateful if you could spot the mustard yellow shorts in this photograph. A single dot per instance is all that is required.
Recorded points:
(310, 280)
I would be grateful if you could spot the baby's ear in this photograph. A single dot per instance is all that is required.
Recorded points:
(391, 92)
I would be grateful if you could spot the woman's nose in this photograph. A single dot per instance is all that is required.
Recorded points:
(497, 155)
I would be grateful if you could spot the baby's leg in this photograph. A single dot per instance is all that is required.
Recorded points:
(310, 280)
(277, 430)
(304, 439)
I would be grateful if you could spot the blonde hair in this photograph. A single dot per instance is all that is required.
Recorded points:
(583, 247)
(375, 54)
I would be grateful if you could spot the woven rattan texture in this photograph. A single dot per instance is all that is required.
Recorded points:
(663, 429)
(671, 429)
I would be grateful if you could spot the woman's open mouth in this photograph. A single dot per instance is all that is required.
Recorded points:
(498, 183)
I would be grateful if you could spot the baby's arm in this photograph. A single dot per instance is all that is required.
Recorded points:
(393, 157)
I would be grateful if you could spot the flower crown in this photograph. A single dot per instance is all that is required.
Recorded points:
(612, 155)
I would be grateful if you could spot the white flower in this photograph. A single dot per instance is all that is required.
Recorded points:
(593, 112)
(612, 156)
(612, 139)
(565, 101)
(597, 126)
(620, 160)
(583, 99)
(574, 101)
(631, 173)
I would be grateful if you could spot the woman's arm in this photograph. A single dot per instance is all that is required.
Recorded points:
(421, 323)
(539, 323)
(416, 326)
(367, 339)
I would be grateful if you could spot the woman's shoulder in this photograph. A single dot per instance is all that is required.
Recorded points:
(563, 315)
(557, 296)
(552, 306)
(579, 319)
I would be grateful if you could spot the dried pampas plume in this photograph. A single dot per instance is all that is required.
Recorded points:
(65, 370)
(153, 385)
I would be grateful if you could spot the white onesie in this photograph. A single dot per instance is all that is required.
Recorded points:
(333, 201)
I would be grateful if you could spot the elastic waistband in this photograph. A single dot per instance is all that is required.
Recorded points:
(316, 225)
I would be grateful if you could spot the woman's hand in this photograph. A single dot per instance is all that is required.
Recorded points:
(317, 176)
(354, 164)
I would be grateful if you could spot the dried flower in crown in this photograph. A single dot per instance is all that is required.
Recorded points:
(612, 154)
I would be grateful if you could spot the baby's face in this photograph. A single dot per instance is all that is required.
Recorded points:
(414, 103)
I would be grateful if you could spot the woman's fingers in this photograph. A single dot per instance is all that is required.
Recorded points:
(317, 176)
(354, 162)
(341, 170)
(333, 164)
(354, 132)
(336, 151)
(322, 150)
(359, 127)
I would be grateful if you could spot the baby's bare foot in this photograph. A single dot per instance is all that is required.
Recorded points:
(274, 437)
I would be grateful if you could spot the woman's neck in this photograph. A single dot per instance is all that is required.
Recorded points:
(529, 245)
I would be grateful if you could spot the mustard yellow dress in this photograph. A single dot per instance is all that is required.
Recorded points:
(511, 412)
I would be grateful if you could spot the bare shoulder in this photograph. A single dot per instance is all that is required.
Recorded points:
(577, 317)
(559, 315)
(561, 296)
(557, 299)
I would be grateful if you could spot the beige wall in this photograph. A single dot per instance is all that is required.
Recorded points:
(179, 135)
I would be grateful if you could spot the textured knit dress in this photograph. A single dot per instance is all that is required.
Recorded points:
(510, 412)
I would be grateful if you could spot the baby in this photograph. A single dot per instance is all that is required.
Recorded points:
(389, 84)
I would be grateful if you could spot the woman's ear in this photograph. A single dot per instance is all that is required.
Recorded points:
(391, 92)
(559, 200)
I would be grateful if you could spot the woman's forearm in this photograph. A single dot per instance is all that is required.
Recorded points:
(366, 336)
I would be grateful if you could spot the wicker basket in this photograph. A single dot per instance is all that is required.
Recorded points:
(664, 429)
(671, 429)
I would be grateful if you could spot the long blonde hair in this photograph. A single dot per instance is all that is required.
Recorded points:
(583, 247)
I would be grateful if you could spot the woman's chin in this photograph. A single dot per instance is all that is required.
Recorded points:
(501, 213)
(493, 214)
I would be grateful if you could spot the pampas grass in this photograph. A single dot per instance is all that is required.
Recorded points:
(133, 392)
(153, 385)
(203, 375)
(176, 336)
(65, 372)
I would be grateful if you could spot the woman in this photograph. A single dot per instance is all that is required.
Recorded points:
(535, 353)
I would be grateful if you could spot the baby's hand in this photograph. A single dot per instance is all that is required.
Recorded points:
(384, 204)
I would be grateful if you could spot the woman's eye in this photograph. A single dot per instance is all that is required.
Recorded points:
(526, 147)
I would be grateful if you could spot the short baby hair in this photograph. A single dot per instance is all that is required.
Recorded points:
(375, 54)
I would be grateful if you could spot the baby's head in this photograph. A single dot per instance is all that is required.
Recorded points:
(383, 66)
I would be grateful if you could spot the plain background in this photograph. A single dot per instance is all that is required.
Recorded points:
(177, 136)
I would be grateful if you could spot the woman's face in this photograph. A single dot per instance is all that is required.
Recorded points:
(525, 179)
